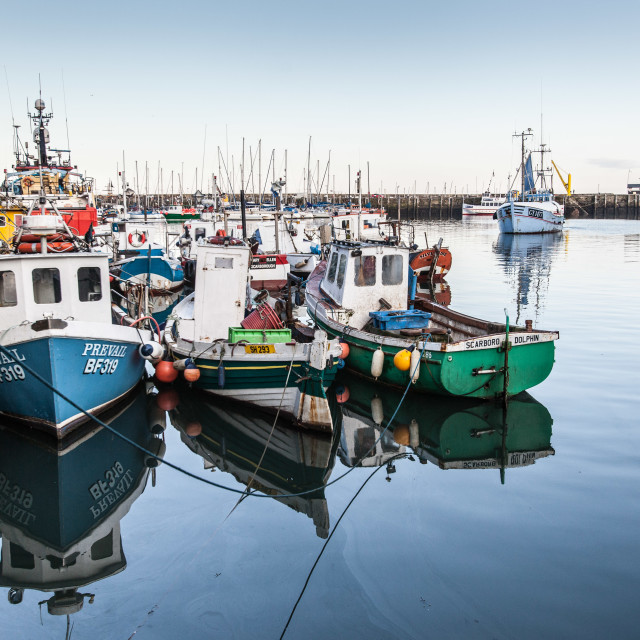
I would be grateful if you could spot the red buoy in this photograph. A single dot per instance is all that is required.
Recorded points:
(345, 349)
(165, 371)
(193, 429)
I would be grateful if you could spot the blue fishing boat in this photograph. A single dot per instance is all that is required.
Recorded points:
(56, 313)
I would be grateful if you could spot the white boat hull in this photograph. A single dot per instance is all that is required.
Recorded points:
(534, 217)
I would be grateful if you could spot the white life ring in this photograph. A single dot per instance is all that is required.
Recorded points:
(137, 238)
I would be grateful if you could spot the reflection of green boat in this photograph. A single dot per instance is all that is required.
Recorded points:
(239, 440)
(60, 509)
(452, 433)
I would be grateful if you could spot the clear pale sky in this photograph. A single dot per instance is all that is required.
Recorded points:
(427, 92)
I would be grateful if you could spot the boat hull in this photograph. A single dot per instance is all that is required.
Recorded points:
(93, 373)
(448, 368)
(529, 218)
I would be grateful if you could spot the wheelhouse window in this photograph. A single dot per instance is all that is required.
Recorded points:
(341, 270)
(365, 271)
(333, 265)
(89, 285)
(392, 271)
(8, 294)
(46, 286)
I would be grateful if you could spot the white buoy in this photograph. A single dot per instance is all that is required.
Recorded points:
(414, 434)
(151, 351)
(157, 419)
(377, 412)
(158, 447)
(377, 363)
(414, 367)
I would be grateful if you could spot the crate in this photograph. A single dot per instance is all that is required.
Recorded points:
(257, 336)
(402, 319)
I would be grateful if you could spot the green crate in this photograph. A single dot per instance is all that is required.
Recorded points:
(259, 336)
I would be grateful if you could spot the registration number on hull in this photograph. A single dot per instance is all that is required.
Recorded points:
(259, 349)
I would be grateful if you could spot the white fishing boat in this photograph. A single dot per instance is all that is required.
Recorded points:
(534, 210)
(251, 359)
(489, 204)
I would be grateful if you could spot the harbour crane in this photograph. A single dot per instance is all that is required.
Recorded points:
(567, 184)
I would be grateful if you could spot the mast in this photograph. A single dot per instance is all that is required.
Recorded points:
(522, 136)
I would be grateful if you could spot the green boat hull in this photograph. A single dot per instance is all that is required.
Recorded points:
(452, 372)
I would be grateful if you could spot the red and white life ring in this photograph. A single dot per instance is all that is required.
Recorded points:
(137, 238)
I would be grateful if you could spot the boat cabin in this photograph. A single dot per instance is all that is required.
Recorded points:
(368, 276)
(222, 276)
(62, 286)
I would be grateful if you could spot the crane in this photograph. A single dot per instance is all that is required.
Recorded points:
(567, 184)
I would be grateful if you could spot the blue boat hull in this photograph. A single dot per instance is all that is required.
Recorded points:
(92, 373)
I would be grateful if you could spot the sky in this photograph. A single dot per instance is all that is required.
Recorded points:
(427, 95)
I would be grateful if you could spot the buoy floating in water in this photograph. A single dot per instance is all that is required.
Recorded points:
(342, 393)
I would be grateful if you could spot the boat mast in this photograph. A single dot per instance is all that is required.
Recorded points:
(522, 136)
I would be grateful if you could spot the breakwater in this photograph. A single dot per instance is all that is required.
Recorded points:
(436, 206)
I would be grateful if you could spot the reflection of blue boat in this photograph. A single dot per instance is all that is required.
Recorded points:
(240, 441)
(451, 433)
(60, 509)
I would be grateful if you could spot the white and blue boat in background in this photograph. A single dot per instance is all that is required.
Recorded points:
(534, 210)
(56, 318)
(142, 260)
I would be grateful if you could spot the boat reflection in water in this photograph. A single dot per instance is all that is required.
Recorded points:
(239, 440)
(61, 504)
(453, 433)
(527, 260)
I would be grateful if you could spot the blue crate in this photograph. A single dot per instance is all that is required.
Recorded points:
(403, 319)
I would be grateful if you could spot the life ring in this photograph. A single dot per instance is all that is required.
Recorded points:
(56, 247)
(137, 238)
(27, 182)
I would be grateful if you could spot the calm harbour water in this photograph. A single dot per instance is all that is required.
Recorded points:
(553, 552)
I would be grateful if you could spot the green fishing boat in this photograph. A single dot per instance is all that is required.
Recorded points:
(361, 295)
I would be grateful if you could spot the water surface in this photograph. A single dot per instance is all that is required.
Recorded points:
(525, 535)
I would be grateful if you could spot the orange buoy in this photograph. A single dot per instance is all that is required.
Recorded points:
(342, 393)
(192, 373)
(193, 429)
(165, 371)
(345, 349)
(402, 360)
(168, 399)
(401, 434)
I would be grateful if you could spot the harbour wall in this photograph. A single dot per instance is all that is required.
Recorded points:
(449, 206)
